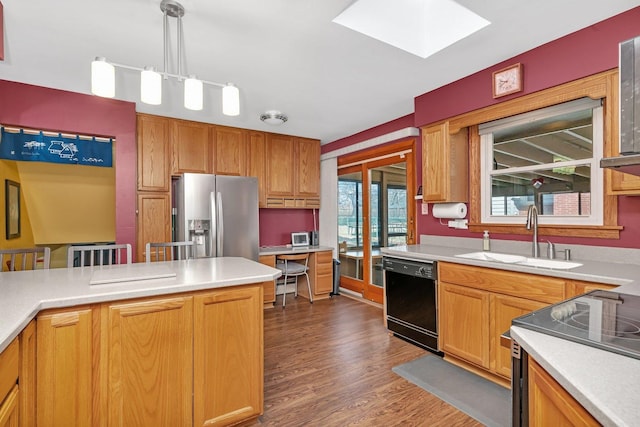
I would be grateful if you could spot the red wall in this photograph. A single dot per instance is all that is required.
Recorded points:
(276, 225)
(589, 51)
(50, 109)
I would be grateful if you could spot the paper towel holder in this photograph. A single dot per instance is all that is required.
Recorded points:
(449, 210)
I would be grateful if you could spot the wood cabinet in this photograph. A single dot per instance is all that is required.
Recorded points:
(550, 404)
(65, 355)
(577, 287)
(321, 269)
(464, 323)
(230, 150)
(27, 373)
(269, 288)
(256, 163)
(477, 305)
(154, 220)
(147, 347)
(445, 159)
(9, 390)
(190, 147)
(293, 172)
(228, 356)
(181, 360)
(504, 310)
(9, 408)
(153, 153)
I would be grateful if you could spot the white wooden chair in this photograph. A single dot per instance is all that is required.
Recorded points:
(25, 258)
(89, 255)
(292, 266)
(168, 251)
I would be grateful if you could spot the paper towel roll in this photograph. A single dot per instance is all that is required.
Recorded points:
(450, 210)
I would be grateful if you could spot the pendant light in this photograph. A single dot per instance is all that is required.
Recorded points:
(150, 86)
(103, 78)
(103, 74)
(193, 93)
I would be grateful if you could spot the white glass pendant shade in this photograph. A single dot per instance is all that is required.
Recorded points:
(230, 100)
(150, 86)
(193, 93)
(103, 78)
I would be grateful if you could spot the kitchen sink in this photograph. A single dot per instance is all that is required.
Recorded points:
(521, 260)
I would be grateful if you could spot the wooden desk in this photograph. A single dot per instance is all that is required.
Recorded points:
(320, 270)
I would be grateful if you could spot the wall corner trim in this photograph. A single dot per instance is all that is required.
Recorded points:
(407, 132)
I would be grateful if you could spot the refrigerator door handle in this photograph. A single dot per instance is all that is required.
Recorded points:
(214, 226)
(220, 233)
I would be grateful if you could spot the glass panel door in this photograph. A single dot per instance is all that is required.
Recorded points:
(350, 220)
(375, 209)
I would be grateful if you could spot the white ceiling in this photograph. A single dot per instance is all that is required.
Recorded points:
(284, 55)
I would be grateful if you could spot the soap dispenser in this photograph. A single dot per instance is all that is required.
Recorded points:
(486, 243)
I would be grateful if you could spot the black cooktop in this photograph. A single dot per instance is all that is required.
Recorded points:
(604, 319)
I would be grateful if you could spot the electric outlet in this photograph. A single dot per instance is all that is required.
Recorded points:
(425, 209)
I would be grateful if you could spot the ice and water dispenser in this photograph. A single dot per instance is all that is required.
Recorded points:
(200, 235)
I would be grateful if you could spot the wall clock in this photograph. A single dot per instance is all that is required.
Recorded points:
(507, 81)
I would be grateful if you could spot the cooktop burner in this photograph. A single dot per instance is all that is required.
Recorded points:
(604, 319)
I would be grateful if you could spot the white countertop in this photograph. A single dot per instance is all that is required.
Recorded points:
(25, 293)
(605, 383)
(288, 249)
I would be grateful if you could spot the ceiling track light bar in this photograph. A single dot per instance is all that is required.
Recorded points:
(103, 73)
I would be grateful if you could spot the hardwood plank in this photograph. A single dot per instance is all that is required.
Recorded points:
(329, 364)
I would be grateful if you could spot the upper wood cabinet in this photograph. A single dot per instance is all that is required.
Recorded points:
(230, 150)
(308, 167)
(153, 153)
(256, 164)
(281, 165)
(190, 147)
(445, 160)
(293, 172)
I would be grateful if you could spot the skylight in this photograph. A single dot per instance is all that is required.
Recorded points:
(420, 27)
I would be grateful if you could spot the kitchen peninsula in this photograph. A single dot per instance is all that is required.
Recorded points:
(182, 349)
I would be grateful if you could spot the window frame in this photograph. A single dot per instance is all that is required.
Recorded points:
(596, 185)
(598, 86)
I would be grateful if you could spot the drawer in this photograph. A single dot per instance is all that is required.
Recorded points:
(8, 369)
(530, 286)
(324, 262)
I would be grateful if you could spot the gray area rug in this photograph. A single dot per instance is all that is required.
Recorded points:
(481, 399)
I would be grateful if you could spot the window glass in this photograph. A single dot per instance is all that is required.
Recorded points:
(397, 215)
(548, 158)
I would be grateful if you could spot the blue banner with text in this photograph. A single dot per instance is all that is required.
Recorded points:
(39, 147)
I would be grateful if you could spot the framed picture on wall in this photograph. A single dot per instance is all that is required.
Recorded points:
(12, 208)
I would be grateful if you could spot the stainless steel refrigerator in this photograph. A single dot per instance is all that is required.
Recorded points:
(218, 213)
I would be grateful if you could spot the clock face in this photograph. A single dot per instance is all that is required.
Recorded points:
(507, 81)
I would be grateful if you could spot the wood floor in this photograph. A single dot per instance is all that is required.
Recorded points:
(329, 364)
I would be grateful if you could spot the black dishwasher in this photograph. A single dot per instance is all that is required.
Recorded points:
(411, 300)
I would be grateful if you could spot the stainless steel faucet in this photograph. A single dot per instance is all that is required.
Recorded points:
(532, 222)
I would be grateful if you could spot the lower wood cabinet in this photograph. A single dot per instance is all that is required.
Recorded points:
(228, 362)
(65, 367)
(552, 405)
(464, 324)
(179, 360)
(269, 287)
(9, 409)
(9, 390)
(504, 310)
(321, 269)
(477, 305)
(148, 351)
